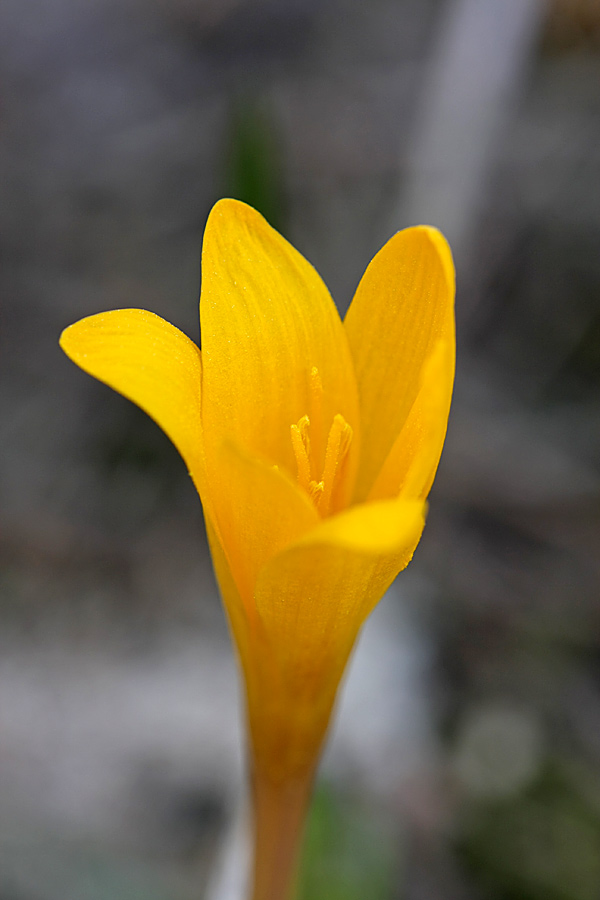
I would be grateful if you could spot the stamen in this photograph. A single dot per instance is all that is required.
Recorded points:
(316, 385)
(301, 447)
(316, 413)
(338, 443)
(315, 492)
(303, 427)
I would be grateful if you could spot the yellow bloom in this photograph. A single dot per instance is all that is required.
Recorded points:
(313, 445)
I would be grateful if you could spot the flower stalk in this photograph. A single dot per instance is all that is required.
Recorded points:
(279, 812)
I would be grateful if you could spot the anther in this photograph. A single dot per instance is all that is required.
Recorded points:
(338, 444)
(316, 413)
(316, 385)
(301, 447)
(315, 492)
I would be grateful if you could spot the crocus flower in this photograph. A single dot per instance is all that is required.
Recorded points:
(313, 445)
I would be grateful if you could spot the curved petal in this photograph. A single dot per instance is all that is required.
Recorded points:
(371, 529)
(151, 363)
(412, 462)
(274, 348)
(232, 601)
(402, 307)
(258, 510)
(313, 597)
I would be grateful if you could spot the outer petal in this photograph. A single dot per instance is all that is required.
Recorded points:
(402, 307)
(412, 462)
(312, 599)
(150, 362)
(314, 595)
(267, 322)
(371, 529)
(232, 601)
(258, 510)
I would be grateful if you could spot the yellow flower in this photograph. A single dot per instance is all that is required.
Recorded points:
(313, 445)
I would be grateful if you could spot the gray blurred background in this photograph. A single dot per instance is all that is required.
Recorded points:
(465, 761)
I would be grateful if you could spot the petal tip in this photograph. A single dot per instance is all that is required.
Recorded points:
(68, 338)
(443, 250)
(377, 528)
(229, 207)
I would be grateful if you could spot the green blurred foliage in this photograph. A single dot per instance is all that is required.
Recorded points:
(541, 845)
(254, 161)
(348, 854)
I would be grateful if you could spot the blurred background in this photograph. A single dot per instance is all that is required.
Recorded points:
(464, 764)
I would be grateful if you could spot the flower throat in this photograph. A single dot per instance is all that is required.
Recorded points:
(320, 490)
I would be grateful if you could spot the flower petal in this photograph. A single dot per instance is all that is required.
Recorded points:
(151, 363)
(373, 529)
(274, 348)
(313, 597)
(402, 307)
(258, 509)
(232, 601)
(412, 462)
